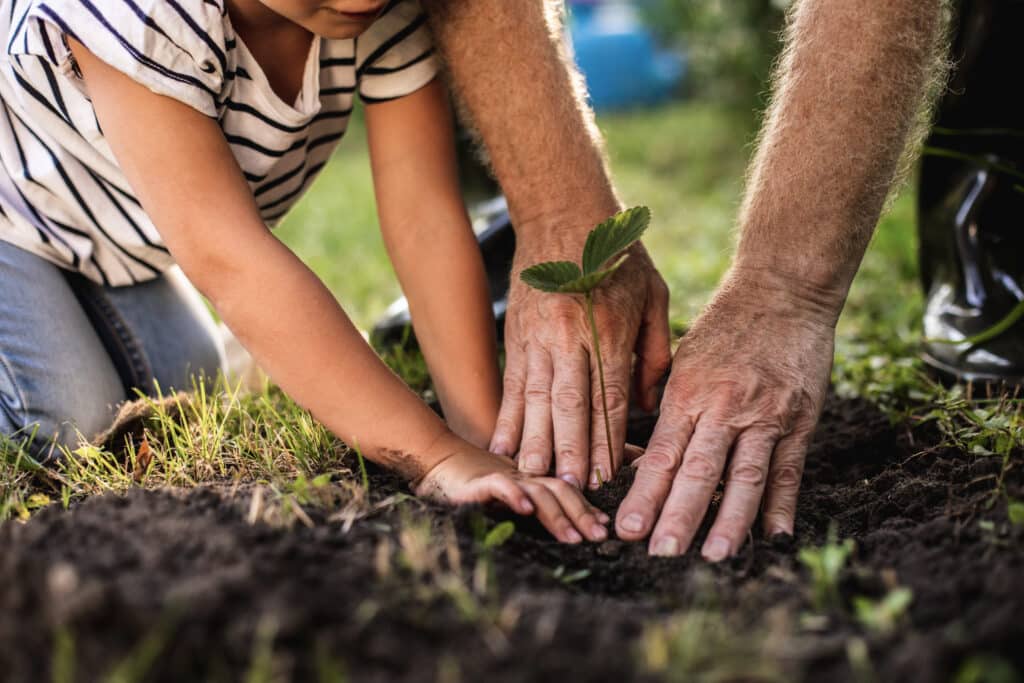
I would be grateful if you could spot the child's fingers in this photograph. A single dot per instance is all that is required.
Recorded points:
(550, 512)
(503, 488)
(583, 515)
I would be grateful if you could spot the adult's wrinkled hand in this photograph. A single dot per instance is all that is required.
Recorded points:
(551, 404)
(747, 387)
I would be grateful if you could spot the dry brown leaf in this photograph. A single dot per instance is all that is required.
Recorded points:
(143, 456)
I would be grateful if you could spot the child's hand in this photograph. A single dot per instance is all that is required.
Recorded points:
(476, 476)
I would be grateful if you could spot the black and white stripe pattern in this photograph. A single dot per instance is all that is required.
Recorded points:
(62, 194)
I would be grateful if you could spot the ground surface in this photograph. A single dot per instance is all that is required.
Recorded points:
(185, 585)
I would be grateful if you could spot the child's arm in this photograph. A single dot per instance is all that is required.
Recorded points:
(183, 172)
(435, 254)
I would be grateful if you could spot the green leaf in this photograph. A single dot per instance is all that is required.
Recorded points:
(614, 235)
(498, 535)
(588, 283)
(551, 276)
(1015, 511)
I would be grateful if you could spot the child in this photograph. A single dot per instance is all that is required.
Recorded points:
(138, 133)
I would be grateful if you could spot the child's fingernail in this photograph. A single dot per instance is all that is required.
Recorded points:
(571, 480)
(603, 518)
(599, 532)
(573, 536)
(526, 507)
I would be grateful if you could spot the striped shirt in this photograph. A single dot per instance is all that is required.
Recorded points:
(62, 195)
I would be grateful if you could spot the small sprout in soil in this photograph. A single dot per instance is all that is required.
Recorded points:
(497, 536)
(362, 466)
(1015, 511)
(604, 242)
(559, 574)
(826, 565)
(881, 616)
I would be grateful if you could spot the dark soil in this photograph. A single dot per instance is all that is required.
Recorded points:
(183, 588)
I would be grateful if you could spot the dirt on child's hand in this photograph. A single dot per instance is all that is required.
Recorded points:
(476, 476)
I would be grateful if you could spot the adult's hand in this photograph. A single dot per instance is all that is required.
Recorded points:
(747, 387)
(552, 396)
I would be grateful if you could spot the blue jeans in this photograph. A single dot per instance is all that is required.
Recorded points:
(71, 350)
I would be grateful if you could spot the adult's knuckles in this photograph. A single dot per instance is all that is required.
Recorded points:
(532, 448)
(505, 426)
(679, 519)
(751, 473)
(569, 399)
(569, 451)
(514, 385)
(659, 459)
(787, 476)
(616, 397)
(700, 468)
(537, 392)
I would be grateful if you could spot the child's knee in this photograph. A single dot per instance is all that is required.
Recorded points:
(40, 418)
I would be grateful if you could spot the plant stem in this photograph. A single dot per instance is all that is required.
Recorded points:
(589, 297)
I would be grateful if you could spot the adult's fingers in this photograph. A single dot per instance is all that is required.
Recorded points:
(550, 512)
(508, 428)
(585, 517)
(694, 484)
(631, 453)
(656, 469)
(744, 486)
(653, 347)
(784, 474)
(570, 415)
(535, 450)
(615, 397)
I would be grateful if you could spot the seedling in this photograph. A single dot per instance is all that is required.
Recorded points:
(881, 616)
(826, 565)
(604, 242)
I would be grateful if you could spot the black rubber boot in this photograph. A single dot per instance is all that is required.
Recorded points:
(971, 203)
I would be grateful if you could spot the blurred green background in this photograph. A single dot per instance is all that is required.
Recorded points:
(685, 160)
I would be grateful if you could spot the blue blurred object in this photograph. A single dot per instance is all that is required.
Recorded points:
(618, 57)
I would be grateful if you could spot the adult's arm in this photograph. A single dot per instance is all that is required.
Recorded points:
(512, 76)
(749, 380)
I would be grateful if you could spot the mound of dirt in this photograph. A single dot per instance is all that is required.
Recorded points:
(175, 586)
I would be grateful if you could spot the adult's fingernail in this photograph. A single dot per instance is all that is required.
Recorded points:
(633, 522)
(571, 480)
(534, 463)
(666, 547)
(573, 536)
(716, 549)
(597, 478)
